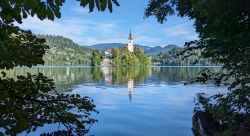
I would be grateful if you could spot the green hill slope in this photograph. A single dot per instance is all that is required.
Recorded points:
(64, 52)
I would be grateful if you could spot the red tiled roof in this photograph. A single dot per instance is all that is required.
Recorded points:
(109, 51)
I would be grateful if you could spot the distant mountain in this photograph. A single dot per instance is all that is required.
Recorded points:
(106, 46)
(152, 51)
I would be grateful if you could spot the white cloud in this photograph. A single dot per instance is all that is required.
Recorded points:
(183, 31)
(89, 32)
(191, 37)
(179, 30)
(77, 29)
(80, 10)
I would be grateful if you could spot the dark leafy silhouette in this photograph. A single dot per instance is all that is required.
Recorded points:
(25, 101)
(223, 31)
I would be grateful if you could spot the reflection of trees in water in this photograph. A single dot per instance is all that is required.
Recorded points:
(177, 74)
(65, 78)
(121, 75)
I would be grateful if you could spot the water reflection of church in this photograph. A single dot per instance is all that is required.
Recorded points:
(130, 88)
(107, 73)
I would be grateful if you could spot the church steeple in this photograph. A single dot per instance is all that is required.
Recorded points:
(130, 42)
(130, 36)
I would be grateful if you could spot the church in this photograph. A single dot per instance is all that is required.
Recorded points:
(130, 45)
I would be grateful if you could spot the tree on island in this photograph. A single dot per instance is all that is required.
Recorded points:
(26, 103)
(123, 57)
(224, 38)
(97, 57)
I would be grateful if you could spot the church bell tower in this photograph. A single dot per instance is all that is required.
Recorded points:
(130, 43)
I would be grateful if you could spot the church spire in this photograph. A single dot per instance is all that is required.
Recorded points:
(130, 35)
(130, 42)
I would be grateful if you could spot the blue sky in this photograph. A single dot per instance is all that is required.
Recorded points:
(104, 27)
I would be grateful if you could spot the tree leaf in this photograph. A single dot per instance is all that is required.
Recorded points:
(84, 2)
(116, 3)
(110, 6)
(97, 4)
(103, 5)
(91, 5)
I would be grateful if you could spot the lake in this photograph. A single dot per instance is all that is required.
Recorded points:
(132, 101)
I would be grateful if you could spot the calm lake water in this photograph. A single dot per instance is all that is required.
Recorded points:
(146, 101)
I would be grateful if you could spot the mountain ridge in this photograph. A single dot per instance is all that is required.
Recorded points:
(150, 51)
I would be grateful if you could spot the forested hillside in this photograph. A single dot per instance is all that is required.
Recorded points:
(64, 51)
(170, 58)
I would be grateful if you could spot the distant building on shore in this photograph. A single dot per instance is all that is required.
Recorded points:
(108, 54)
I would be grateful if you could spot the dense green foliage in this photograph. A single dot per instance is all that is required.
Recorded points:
(25, 101)
(64, 52)
(224, 37)
(171, 58)
(97, 57)
(122, 57)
